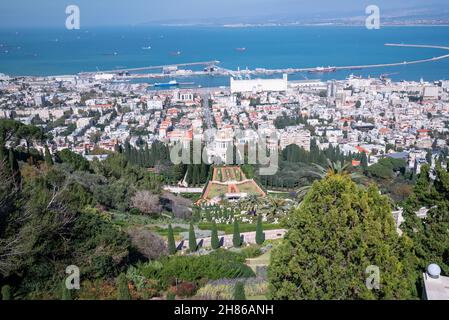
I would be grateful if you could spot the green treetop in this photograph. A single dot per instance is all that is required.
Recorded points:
(430, 235)
(338, 231)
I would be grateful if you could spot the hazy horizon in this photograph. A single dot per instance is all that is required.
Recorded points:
(47, 13)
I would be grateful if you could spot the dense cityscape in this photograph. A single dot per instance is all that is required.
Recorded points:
(375, 117)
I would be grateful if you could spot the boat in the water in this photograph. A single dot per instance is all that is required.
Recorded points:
(169, 84)
(146, 48)
(323, 70)
(240, 49)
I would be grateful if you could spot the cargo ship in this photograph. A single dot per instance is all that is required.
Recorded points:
(323, 70)
(169, 84)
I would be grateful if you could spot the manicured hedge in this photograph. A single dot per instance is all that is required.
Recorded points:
(217, 265)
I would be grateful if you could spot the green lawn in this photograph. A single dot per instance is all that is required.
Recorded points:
(261, 260)
(248, 187)
(216, 190)
(191, 196)
(164, 231)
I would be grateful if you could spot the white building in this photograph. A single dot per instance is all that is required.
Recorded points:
(183, 95)
(294, 135)
(258, 85)
(155, 105)
(431, 93)
(103, 76)
(82, 123)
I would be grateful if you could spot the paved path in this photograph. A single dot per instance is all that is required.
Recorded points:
(183, 189)
(248, 237)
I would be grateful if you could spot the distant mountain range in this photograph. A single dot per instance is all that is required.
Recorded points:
(412, 16)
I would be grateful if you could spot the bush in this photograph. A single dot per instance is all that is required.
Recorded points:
(217, 265)
(171, 296)
(146, 202)
(122, 288)
(186, 289)
(223, 289)
(6, 292)
(149, 244)
(97, 290)
(239, 291)
(65, 293)
(251, 252)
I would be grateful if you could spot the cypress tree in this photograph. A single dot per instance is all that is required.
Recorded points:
(12, 160)
(214, 241)
(260, 235)
(6, 292)
(122, 288)
(171, 240)
(366, 233)
(203, 173)
(236, 240)
(192, 239)
(239, 291)
(47, 157)
(14, 165)
(364, 161)
(196, 174)
(189, 177)
(2, 153)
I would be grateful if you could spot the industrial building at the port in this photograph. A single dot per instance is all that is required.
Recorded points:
(258, 85)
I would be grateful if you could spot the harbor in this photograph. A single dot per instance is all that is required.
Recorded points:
(211, 68)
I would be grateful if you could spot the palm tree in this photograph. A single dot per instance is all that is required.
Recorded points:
(321, 173)
(274, 207)
(251, 204)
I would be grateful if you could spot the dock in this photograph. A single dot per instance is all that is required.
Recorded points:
(214, 70)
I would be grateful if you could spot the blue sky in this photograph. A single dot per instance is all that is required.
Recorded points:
(38, 13)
